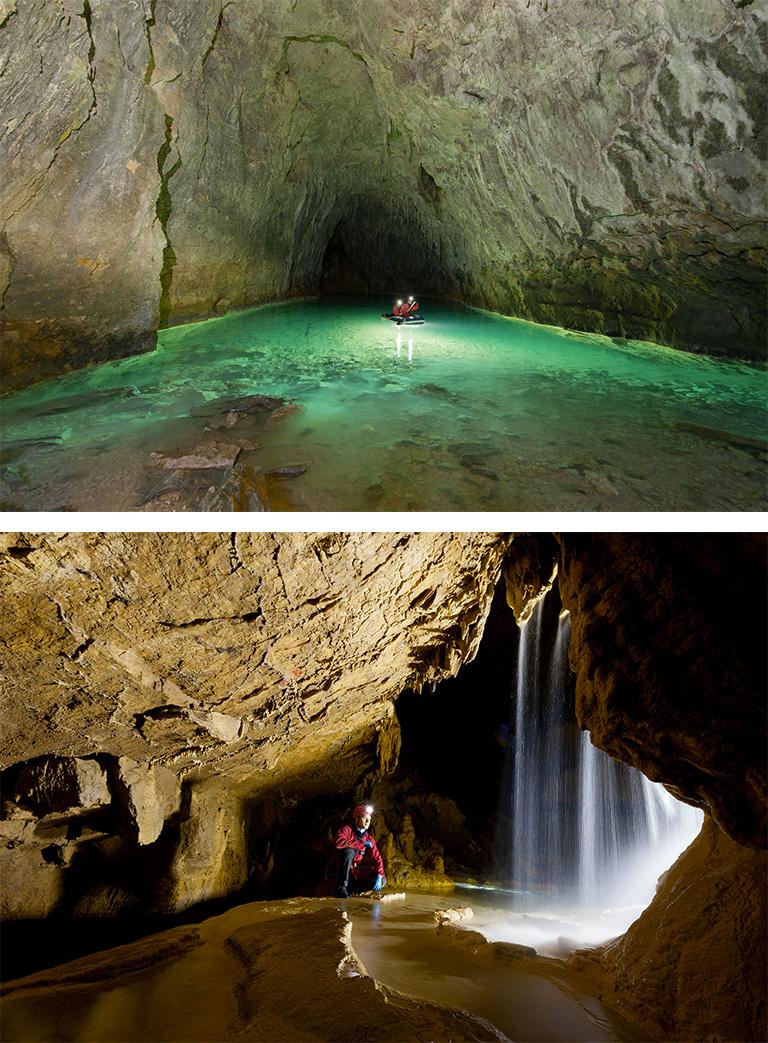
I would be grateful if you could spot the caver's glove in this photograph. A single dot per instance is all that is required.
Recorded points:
(379, 882)
(368, 843)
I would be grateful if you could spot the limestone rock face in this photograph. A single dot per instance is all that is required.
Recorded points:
(594, 165)
(208, 671)
(693, 966)
(666, 643)
(174, 648)
(81, 246)
(529, 573)
(151, 795)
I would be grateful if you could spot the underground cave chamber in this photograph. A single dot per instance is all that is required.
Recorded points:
(433, 761)
(257, 154)
(531, 904)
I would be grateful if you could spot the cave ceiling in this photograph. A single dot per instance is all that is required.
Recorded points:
(241, 656)
(596, 165)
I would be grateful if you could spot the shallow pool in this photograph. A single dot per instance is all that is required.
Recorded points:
(539, 1000)
(470, 412)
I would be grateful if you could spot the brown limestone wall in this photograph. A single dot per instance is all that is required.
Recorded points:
(599, 167)
(667, 644)
(180, 646)
(693, 965)
(153, 684)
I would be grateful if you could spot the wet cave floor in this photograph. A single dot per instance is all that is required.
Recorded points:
(323, 405)
(537, 1000)
(203, 983)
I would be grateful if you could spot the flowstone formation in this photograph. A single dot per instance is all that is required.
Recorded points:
(595, 165)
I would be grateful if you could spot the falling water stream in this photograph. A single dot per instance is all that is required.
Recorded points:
(584, 837)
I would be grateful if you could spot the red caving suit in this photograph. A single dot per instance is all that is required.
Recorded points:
(367, 862)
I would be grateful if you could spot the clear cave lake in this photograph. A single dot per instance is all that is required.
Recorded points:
(321, 405)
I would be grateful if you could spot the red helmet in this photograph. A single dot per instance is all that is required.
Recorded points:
(362, 809)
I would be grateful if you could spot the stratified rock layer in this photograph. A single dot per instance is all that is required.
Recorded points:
(204, 671)
(230, 652)
(594, 165)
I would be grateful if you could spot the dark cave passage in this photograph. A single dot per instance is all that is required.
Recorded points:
(377, 247)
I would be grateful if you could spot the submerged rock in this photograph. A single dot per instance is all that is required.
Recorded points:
(11, 450)
(280, 415)
(289, 471)
(758, 446)
(436, 391)
(71, 403)
(213, 454)
(251, 404)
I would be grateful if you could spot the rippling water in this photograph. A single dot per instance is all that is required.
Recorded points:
(470, 412)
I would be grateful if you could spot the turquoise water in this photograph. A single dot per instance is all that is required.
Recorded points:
(470, 412)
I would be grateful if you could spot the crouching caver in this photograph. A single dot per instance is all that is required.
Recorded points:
(359, 866)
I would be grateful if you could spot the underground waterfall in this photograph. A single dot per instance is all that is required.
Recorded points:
(582, 838)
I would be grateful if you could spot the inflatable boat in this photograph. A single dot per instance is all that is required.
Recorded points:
(410, 320)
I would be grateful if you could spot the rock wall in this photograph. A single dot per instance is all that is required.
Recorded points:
(153, 685)
(693, 965)
(596, 166)
(667, 644)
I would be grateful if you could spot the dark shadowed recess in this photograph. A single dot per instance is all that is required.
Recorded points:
(373, 249)
(454, 749)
